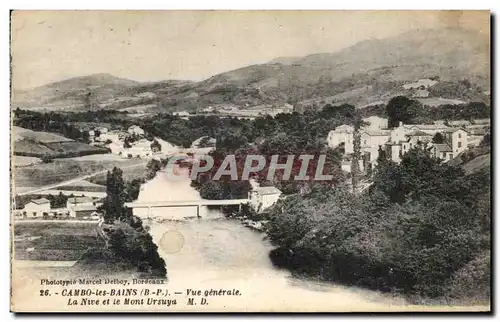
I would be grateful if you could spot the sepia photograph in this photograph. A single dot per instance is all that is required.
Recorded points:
(250, 161)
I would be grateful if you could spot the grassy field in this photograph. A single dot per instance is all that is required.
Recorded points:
(66, 169)
(84, 186)
(20, 133)
(129, 174)
(20, 161)
(37, 143)
(54, 241)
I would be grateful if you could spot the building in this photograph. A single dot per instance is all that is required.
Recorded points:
(36, 208)
(421, 93)
(376, 123)
(457, 139)
(102, 129)
(342, 135)
(442, 151)
(459, 123)
(482, 121)
(375, 137)
(135, 130)
(84, 212)
(79, 201)
(262, 198)
(111, 136)
(476, 134)
(372, 141)
(423, 83)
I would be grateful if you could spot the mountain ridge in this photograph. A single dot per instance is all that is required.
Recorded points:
(377, 66)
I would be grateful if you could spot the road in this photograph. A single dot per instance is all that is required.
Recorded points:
(68, 182)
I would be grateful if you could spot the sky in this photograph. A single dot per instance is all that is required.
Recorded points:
(48, 46)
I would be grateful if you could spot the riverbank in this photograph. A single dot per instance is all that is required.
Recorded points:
(219, 252)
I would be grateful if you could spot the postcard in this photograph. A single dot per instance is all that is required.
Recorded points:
(250, 161)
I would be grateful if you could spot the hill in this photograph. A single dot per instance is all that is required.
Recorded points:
(368, 72)
(77, 92)
(39, 144)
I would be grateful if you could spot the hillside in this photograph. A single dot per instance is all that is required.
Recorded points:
(39, 144)
(368, 72)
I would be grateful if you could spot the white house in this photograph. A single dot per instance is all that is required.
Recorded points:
(102, 129)
(342, 134)
(262, 197)
(457, 139)
(36, 208)
(84, 212)
(442, 151)
(421, 93)
(135, 130)
(372, 140)
(112, 136)
(423, 83)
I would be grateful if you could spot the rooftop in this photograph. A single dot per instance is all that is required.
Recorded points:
(85, 208)
(80, 199)
(443, 147)
(453, 130)
(378, 132)
(418, 133)
(267, 190)
(344, 128)
(40, 201)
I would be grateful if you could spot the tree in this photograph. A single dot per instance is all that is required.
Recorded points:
(126, 143)
(402, 109)
(155, 146)
(116, 196)
(356, 156)
(438, 138)
(47, 158)
(117, 243)
(58, 201)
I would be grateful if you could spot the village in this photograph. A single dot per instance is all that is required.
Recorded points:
(444, 140)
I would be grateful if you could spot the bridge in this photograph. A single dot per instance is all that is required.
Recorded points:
(185, 203)
(76, 193)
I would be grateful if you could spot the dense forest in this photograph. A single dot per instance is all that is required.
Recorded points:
(423, 230)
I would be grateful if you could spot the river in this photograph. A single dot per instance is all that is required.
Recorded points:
(215, 252)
